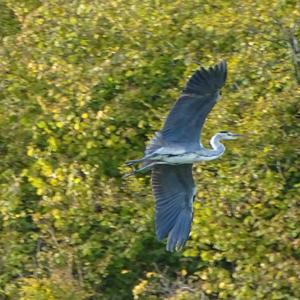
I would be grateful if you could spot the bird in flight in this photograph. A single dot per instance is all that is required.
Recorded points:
(173, 150)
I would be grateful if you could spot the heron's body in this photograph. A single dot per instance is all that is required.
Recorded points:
(187, 158)
(177, 154)
(172, 152)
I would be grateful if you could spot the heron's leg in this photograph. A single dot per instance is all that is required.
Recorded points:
(135, 161)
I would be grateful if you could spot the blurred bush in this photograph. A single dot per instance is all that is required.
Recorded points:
(84, 84)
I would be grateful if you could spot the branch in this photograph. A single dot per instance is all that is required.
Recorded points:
(294, 45)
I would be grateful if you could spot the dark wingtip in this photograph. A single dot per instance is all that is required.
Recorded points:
(221, 69)
(207, 80)
(180, 232)
(222, 65)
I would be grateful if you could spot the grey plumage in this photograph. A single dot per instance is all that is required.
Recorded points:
(174, 191)
(188, 115)
(173, 150)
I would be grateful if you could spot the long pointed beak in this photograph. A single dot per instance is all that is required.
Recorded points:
(237, 135)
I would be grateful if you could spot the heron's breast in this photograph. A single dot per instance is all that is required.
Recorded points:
(187, 158)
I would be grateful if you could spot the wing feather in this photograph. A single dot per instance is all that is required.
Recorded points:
(173, 188)
(184, 122)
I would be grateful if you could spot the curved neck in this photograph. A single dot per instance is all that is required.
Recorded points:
(217, 147)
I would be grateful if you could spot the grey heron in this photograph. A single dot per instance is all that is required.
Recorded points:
(172, 152)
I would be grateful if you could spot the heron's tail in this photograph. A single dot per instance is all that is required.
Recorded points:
(144, 160)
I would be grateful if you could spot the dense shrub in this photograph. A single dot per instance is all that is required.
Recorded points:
(84, 84)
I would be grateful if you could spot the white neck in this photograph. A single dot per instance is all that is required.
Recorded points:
(217, 147)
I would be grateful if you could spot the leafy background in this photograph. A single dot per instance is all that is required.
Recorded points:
(84, 84)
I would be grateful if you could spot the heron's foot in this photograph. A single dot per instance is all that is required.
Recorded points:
(129, 174)
(132, 172)
(140, 170)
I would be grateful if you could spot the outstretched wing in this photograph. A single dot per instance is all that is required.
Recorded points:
(174, 190)
(184, 122)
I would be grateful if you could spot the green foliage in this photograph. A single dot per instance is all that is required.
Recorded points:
(84, 84)
(9, 23)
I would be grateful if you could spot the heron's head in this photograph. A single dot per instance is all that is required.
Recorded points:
(227, 135)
